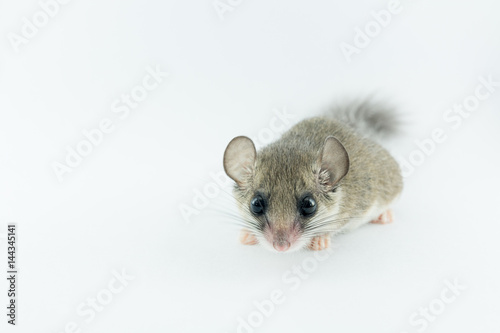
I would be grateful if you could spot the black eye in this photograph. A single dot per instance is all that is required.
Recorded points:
(257, 205)
(308, 206)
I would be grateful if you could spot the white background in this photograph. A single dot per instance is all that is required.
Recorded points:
(120, 208)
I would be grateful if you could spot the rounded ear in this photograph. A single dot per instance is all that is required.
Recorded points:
(239, 159)
(334, 161)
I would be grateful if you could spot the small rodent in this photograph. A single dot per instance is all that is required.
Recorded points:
(323, 176)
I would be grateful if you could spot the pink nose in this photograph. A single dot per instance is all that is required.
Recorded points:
(281, 246)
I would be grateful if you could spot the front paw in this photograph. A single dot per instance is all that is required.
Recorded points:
(319, 243)
(247, 238)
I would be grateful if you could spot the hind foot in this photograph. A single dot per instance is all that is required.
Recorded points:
(384, 218)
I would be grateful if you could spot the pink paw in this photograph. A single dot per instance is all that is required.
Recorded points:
(246, 238)
(384, 218)
(319, 243)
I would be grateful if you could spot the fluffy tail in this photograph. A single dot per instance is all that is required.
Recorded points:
(371, 119)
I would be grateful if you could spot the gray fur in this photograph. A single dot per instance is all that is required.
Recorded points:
(370, 119)
(290, 167)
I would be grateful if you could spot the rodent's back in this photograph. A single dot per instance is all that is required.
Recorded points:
(374, 175)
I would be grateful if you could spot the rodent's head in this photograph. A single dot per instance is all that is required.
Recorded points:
(287, 195)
